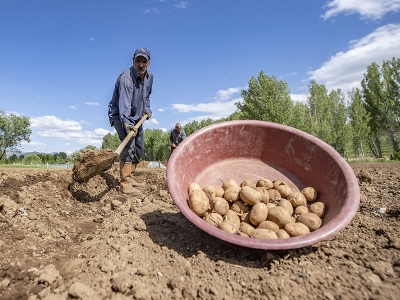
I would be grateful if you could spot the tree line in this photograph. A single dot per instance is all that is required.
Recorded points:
(358, 127)
(38, 158)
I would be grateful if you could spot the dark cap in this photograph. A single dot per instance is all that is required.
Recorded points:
(142, 52)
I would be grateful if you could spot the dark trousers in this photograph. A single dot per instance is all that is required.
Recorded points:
(134, 149)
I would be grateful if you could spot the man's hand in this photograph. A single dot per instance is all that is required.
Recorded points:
(148, 113)
(129, 128)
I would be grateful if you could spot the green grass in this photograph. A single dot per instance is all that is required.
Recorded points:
(20, 166)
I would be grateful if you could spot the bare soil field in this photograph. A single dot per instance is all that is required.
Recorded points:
(64, 240)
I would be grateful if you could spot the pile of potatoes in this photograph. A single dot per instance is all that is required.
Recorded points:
(264, 209)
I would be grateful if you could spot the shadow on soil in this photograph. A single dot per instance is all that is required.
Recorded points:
(175, 232)
(79, 190)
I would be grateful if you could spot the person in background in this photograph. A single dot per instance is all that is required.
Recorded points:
(129, 103)
(177, 136)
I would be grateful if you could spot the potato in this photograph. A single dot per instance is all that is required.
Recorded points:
(284, 189)
(213, 218)
(258, 213)
(245, 217)
(282, 234)
(296, 229)
(276, 183)
(280, 216)
(297, 199)
(268, 225)
(286, 205)
(232, 193)
(219, 205)
(263, 182)
(246, 228)
(198, 202)
(193, 186)
(317, 208)
(300, 210)
(229, 182)
(274, 194)
(250, 195)
(233, 218)
(248, 182)
(264, 194)
(264, 209)
(209, 190)
(264, 234)
(239, 207)
(219, 191)
(227, 227)
(310, 194)
(312, 221)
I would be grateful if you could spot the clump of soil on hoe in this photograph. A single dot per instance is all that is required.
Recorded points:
(91, 163)
(95, 242)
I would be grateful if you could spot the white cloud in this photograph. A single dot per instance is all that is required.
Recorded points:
(92, 103)
(72, 107)
(181, 5)
(161, 109)
(84, 122)
(299, 97)
(152, 121)
(54, 123)
(223, 95)
(69, 130)
(92, 39)
(368, 9)
(223, 106)
(345, 70)
(8, 112)
(100, 132)
(151, 10)
(34, 144)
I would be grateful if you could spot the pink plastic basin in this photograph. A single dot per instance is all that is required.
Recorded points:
(242, 149)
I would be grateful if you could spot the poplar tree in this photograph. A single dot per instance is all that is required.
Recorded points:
(320, 119)
(267, 99)
(341, 129)
(111, 141)
(381, 89)
(299, 116)
(358, 117)
(156, 145)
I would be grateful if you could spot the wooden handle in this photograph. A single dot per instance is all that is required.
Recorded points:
(130, 135)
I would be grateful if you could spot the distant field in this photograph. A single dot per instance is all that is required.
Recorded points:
(142, 164)
(40, 166)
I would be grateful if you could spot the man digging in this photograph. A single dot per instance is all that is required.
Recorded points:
(129, 103)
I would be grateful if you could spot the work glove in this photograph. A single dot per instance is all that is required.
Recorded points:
(129, 128)
(149, 113)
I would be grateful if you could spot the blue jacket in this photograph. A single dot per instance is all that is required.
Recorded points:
(176, 137)
(131, 97)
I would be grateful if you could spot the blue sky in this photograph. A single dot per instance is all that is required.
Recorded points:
(59, 59)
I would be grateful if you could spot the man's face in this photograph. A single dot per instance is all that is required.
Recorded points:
(178, 128)
(141, 63)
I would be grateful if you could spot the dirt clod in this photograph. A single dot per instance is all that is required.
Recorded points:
(91, 163)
